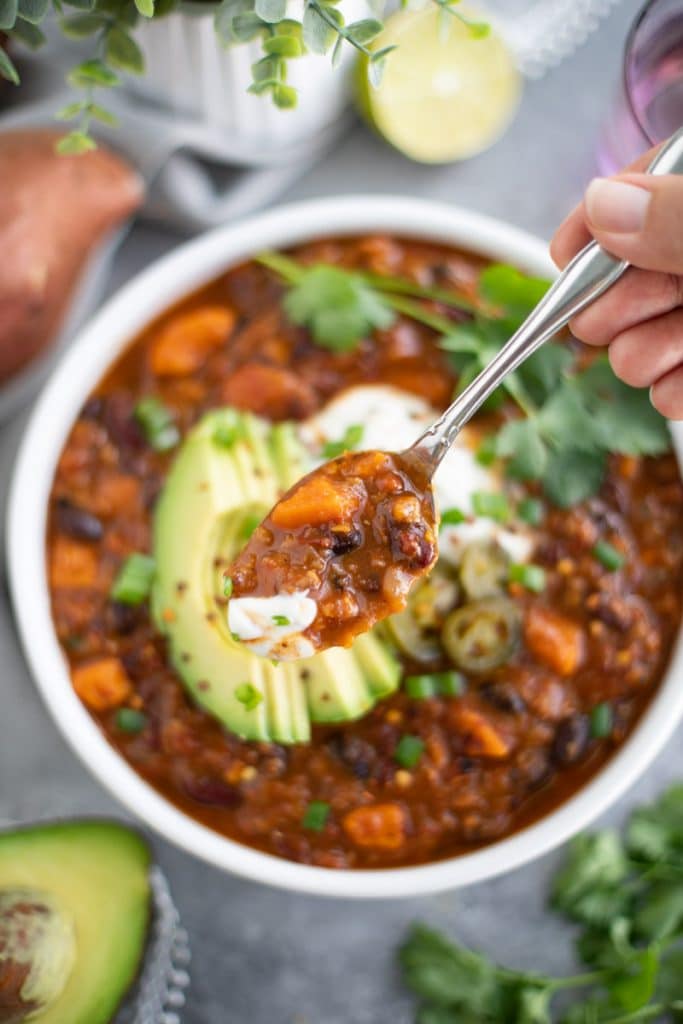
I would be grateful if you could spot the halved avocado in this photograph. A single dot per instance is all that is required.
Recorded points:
(74, 912)
(229, 472)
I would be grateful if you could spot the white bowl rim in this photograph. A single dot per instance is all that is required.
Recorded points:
(136, 304)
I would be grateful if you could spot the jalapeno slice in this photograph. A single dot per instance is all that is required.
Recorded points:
(484, 570)
(482, 635)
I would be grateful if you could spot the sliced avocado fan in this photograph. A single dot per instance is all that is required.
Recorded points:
(228, 473)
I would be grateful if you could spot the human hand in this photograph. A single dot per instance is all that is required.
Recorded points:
(639, 218)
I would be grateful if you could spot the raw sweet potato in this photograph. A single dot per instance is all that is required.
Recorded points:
(53, 211)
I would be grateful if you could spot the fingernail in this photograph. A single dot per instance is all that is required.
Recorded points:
(615, 206)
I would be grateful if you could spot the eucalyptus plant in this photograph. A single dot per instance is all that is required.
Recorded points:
(110, 25)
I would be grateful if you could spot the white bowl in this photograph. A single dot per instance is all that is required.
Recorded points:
(161, 285)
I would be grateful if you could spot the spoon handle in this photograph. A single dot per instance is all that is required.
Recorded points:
(590, 273)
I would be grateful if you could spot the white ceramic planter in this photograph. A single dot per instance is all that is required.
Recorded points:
(189, 73)
(153, 291)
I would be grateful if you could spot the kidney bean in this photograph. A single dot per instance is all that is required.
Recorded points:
(571, 739)
(77, 522)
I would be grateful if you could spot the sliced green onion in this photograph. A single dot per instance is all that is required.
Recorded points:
(608, 555)
(236, 637)
(281, 620)
(452, 517)
(409, 750)
(248, 695)
(530, 576)
(491, 505)
(157, 424)
(450, 684)
(531, 511)
(421, 687)
(134, 580)
(351, 439)
(130, 720)
(486, 452)
(228, 586)
(601, 720)
(433, 684)
(316, 816)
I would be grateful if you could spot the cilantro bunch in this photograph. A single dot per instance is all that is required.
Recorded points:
(626, 895)
(560, 422)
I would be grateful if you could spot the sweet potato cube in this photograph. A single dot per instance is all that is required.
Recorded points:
(184, 343)
(377, 826)
(554, 639)
(102, 684)
(481, 738)
(316, 501)
(72, 563)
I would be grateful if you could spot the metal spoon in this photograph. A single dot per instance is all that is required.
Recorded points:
(586, 278)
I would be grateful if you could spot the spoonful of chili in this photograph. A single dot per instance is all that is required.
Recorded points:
(342, 548)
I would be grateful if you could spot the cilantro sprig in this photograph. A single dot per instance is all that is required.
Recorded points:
(561, 421)
(625, 894)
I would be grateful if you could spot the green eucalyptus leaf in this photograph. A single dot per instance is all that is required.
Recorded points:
(259, 88)
(78, 26)
(28, 34)
(33, 11)
(376, 69)
(7, 68)
(103, 115)
(283, 46)
(265, 69)
(145, 8)
(123, 52)
(75, 143)
(271, 11)
(81, 5)
(318, 35)
(285, 96)
(8, 13)
(246, 27)
(71, 110)
(364, 31)
(92, 72)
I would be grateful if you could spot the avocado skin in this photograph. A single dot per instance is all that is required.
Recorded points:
(210, 492)
(97, 873)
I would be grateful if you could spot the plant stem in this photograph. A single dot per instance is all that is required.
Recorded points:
(405, 287)
(440, 324)
(339, 29)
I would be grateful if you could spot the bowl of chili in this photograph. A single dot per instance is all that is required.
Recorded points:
(458, 786)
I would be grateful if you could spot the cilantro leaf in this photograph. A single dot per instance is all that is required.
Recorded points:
(337, 307)
(655, 833)
(662, 915)
(624, 414)
(595, 862)
(450, 975)
(572, 476)
(513, 292)
(521, 443)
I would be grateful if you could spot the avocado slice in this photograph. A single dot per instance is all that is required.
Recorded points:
(74, 912)
(228, 473)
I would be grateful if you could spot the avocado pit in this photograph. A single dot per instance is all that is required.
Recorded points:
(37, 953)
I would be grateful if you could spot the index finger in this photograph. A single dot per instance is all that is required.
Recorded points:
(572, 234)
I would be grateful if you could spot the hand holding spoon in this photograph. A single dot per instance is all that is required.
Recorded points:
(342, 548)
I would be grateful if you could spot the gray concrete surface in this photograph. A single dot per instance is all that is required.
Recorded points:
(271, 957)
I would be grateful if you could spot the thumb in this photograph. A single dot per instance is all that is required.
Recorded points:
(639, 218)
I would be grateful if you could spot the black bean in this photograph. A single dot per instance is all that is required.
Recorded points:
(92, 410)
(76, 522)
(122, 618)
(504, 697)
(213, 791)
(119, 419)
(342, 543)
(571, 739)
(358, 755)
